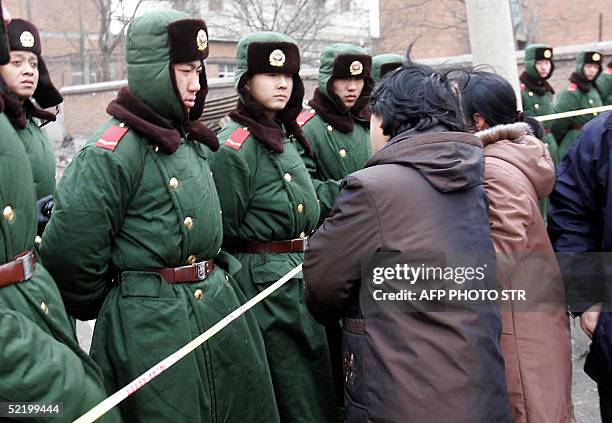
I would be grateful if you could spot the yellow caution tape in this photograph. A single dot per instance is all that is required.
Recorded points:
(573, 113)
(110, 402)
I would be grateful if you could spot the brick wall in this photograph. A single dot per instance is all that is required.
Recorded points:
(84, 107)
(440, 29)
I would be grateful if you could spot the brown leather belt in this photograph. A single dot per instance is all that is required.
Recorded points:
(20, 269)
(192, 273)
(297, 245)
(356, 326)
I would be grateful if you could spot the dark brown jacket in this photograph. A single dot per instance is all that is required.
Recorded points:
(421, 193)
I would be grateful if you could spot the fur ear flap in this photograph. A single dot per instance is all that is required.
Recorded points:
(14, 110)
(204, 135)
(198, 108)
(46, 95)
(43, 114)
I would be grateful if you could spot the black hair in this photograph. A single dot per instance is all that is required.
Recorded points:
(489, 95)
(416, 96)
(536, 127)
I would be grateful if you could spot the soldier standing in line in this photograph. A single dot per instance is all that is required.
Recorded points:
(23, 78)
(135, 241)
(581, 93)
(537, 93)
(385, 63)
(604, 83)
(337, 122)
(40, 358)
(537, 96)
(269, 207)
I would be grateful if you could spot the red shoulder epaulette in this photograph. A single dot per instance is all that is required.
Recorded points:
(304, 117)
(237, 138)
(523, 87)
(609, 71)
(111, 137)
(572, 87)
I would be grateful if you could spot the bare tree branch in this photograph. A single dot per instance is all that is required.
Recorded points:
(111, 11)
(303, 20)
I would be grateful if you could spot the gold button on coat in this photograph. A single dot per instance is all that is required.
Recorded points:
(530, 93)
(188, 222)
(590, 101)
(300, 208)
(342, 152)
(537, 106)
(37, 240)
(174, 183)
(330, 128)
(191, 259)
(287, 177)
(8, 213)
(44, 307)
(198, 294)
(302, 235)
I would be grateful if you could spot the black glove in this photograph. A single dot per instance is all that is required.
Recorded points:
(44, 207)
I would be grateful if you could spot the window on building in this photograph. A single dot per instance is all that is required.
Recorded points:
(215, 4)
(226, 70)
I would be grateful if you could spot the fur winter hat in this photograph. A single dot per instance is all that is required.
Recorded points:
(24, 36)
(384, 63)
(155, 41)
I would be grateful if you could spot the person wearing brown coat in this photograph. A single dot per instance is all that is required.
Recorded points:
(519, 173)
(401, 366)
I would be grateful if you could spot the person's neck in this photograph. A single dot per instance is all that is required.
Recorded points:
(271, 114)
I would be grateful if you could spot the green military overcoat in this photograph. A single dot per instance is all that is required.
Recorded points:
(267, 195)
(140, 196)
(580, 94)
(537, 94)
(340, 138)
(40, 358)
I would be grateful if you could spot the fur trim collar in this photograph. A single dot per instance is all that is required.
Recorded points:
(251, 114)
(513, 132)
(340, 120)
(538, 85)
(583, 85)
(144, 121)
(19, 114)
